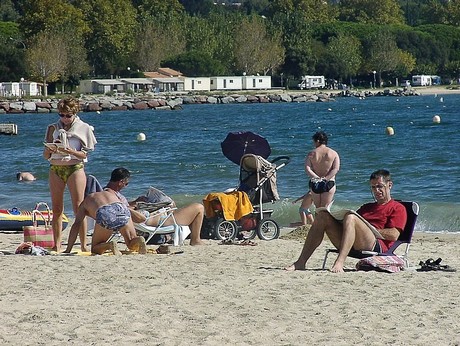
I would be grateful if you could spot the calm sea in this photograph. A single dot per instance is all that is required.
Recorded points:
(181, 154)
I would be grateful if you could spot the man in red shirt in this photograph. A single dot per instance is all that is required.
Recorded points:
(385, 214)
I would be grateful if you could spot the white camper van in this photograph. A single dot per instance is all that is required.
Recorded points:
(421, 80)
(309, 82)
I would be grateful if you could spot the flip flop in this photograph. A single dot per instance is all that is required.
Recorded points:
(247, 242)
(432, 265)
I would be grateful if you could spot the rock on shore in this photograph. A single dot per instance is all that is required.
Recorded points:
(99, 103)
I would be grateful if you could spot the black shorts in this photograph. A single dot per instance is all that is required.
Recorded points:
(321, 186)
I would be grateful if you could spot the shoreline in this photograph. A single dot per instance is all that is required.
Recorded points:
(175, 101)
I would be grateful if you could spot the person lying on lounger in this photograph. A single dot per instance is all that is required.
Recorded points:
(191, 215)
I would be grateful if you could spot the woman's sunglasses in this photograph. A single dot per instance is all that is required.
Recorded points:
(68, 116)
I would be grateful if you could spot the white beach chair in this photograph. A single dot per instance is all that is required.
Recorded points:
(179, 232)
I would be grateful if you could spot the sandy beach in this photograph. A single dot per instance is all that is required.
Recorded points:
(226, 295)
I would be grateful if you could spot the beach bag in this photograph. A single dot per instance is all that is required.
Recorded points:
(389, 264)
(40, 235)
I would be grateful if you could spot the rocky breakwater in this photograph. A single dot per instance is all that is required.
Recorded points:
(93, 103)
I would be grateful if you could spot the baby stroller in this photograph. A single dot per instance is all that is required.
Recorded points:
(257, 185)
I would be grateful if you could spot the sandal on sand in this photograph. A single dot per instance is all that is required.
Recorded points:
(246, 242)
(432, 265)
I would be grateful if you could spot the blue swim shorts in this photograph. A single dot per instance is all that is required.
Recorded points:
(113, 216)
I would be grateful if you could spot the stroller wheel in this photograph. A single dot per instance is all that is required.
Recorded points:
(268, 229)
(225, 230)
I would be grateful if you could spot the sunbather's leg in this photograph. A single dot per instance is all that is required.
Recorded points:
(315, 236)
(354, 234)
(192, 216)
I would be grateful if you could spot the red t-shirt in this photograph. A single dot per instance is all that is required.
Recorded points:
(389, 215)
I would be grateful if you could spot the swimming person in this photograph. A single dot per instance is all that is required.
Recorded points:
(67, 144)
(25, 176)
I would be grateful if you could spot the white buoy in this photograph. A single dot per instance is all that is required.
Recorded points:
(441, 99)
(436, 119)
(98, 112)
(390, 131)
(141, 137)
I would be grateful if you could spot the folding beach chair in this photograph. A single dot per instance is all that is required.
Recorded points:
(179, 232)
(405, 238)
(92, 185)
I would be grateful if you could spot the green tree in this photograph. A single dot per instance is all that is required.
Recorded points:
(296, 35)
(453, 10)
(255, 50)
(196, 64)
(7, 11)
(344, 55)
(158, 39)
(371, 11)
(312, 11)
(383, 53)
(153, 8)
(45, 58)
(111, 39)
(12, 53)
(51, 15)
(406, 63)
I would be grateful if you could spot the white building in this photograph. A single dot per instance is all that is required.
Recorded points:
(138, 84)
(100, 86)
(256, 82)
(226, 83)
(19, 89)
(197, 83)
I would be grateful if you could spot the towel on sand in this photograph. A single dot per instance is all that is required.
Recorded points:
(235, 204)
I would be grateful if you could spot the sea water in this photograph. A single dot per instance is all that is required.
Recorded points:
(182, 155)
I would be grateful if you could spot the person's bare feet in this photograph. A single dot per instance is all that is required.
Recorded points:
(83, 249)
(142, 249)
(114, 248)
(197, 242)
(294, 266)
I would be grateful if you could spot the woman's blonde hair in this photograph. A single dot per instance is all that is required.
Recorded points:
(69, 105)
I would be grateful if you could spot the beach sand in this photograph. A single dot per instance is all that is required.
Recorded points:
(226, 295)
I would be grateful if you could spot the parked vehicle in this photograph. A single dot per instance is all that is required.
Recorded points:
(421, 80)
(310, 82)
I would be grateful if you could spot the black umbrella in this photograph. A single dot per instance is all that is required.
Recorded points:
(237, 144)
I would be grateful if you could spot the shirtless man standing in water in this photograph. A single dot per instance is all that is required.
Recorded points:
(321, 165)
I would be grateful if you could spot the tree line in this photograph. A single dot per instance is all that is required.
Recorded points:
(58, 42)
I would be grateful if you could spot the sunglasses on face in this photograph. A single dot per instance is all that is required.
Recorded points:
(68, 116)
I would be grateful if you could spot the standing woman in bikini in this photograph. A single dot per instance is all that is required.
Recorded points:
(67, 164)
(321, 165)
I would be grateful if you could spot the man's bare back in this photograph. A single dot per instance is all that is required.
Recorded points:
(321, 161)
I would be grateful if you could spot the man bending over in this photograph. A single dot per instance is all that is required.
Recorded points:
(110, 210)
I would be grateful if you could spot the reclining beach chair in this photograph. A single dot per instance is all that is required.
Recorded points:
(178, 232)
(405, 238)
(92, 185)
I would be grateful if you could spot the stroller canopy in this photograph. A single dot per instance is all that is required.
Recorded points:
(237, 144)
